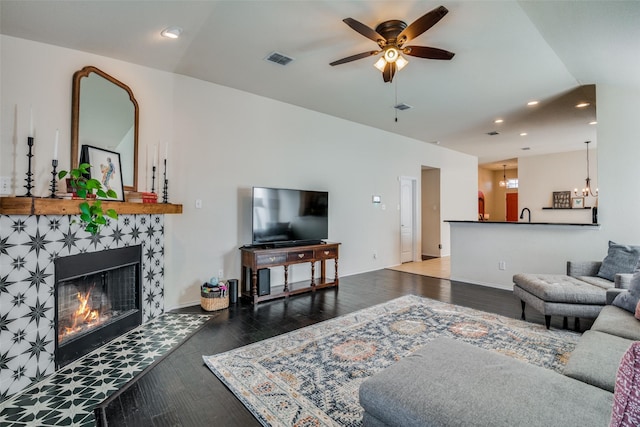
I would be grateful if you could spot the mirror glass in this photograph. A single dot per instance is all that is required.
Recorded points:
(105, 115)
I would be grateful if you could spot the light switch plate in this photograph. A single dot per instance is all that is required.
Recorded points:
(5, 185)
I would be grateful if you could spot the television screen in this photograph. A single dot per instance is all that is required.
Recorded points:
(284, 216)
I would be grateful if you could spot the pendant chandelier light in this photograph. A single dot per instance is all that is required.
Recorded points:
(587, 190)
(503, 183)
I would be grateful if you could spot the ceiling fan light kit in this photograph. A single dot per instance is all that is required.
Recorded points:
(391, 36)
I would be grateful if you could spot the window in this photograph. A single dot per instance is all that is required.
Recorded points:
(512, 183)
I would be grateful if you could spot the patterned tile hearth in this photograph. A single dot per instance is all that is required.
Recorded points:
(68, 397)
(29, 244)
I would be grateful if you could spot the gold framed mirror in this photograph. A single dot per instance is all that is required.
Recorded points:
(104, 114)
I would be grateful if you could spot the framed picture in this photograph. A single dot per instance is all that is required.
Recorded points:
(577, 202)
(105, 167)
(562, 199)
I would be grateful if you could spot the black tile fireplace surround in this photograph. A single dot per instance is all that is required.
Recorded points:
(97, 298)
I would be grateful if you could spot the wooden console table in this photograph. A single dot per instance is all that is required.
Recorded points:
(255, 258)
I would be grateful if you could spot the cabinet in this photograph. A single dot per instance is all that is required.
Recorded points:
(257, 258)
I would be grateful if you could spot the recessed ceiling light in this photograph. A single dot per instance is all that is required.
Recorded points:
(523, 134)
(530, 103)
(593, 123)
(498, 121)
(171, 32)
(582, 105)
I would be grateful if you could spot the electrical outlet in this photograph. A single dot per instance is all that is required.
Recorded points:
(502, 265)
(375, 254)
(5, 185)
(198, 204)
(220, 274)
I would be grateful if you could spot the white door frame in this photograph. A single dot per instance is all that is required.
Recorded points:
(414, 215)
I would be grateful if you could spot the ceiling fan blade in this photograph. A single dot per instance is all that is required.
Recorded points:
(355, 57)
(427, 52)
(365, 31)
(389, 72)
(422, 24)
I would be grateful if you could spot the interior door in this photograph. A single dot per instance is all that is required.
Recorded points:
(407, 219)
(512, 207)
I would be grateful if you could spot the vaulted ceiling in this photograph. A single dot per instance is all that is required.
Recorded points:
(507, 53)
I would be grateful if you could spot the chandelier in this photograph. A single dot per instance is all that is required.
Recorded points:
(503, 183)
(587, 190)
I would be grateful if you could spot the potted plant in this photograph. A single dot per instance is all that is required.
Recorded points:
(91, 214)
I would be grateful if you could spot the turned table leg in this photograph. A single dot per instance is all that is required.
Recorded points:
(286, 278)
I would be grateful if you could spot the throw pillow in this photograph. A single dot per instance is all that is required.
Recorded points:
(629, 299)
(637, 315)
(619, 259)
(626, 395)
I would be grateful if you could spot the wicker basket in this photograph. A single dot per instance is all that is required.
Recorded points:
(212, 301)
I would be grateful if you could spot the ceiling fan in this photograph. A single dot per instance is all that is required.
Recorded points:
(391, 37)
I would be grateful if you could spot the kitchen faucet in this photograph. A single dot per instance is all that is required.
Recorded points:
(522, 213)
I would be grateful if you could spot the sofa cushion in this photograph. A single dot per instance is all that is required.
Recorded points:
(596, 358)
(619, 259)
(617, 321)
(597, 281)
(560, 288)
(451, 383)
(626, 398)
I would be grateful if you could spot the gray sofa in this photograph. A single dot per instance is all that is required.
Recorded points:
(451, 383)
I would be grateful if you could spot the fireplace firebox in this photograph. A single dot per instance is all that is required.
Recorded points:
(97, 298)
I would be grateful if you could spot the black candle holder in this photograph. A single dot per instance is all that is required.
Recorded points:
(29, 178)
(165, 189)
(54, 163)
(153, 179)
(165, 192)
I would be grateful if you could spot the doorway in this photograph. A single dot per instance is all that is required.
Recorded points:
(407, 219)
(431, 224)
(512, 207)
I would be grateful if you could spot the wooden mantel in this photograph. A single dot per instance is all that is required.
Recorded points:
(48, 206)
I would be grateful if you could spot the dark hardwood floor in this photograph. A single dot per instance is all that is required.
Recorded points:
(182, 391)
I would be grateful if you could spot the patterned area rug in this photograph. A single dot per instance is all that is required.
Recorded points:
(311, 376)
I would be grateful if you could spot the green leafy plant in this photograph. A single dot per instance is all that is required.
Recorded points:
(91, 214)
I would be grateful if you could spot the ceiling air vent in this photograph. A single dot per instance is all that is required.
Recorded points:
(402, 106)
(493, 133)
(278, 58)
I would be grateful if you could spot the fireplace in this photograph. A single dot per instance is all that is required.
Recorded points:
(97, 298)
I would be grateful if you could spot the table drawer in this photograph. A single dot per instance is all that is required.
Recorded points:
(326, 253)
(300, 256)
(268, 259)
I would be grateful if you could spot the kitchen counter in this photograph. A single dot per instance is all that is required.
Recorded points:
(573, 224)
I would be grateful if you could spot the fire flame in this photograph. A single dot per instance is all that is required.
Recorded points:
(83, 316)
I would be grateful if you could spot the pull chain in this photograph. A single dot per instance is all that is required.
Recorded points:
(396, 103)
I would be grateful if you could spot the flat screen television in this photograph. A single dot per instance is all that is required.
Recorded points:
(286, 217)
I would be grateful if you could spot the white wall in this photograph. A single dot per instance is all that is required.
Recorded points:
(618, 156)
(234, 140)
(39, 76)
(221, 143)
(560, 172)
(477, 250)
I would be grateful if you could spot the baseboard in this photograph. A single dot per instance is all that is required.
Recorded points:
(487, 284)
